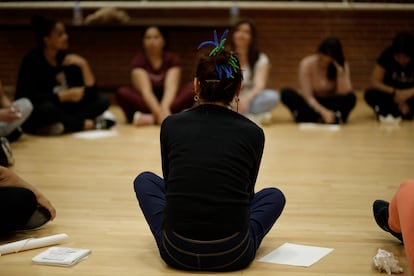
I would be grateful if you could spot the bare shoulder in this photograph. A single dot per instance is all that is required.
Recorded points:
(308, 63)
(309, 60)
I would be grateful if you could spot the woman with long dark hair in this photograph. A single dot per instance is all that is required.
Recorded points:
(256, 100)
(325, 94)
(204, 213)
(60, 85)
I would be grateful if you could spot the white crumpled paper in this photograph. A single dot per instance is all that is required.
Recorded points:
(385, 261)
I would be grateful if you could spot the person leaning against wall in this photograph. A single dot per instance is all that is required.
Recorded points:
(155, 78)
(325, 94)
(256, 100)
(60, 85)
(392, 81)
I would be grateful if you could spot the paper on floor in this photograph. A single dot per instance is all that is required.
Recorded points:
(95, 134)
(315, 126)
(295, 254)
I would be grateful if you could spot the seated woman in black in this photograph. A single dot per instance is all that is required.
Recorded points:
(392, 81)
(205, 214)
(61, 86)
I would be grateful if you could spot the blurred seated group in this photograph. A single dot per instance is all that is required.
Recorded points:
(56, 93)
(56, 90)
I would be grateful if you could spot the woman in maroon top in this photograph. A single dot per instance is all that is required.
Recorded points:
(155, 78)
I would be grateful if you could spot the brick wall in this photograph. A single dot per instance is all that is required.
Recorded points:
(285, 35)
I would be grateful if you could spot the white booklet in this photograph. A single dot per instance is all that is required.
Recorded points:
(61, 256)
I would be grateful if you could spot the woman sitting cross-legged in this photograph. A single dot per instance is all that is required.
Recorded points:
(204, 213)
(155, 90)
(60, 85)
(392, 82)
(325, 87)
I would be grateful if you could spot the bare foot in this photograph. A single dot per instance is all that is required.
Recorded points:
(142, 119)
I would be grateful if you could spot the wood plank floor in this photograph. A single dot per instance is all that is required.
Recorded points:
(330, 179)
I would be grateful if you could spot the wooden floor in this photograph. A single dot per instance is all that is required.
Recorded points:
(330, 179)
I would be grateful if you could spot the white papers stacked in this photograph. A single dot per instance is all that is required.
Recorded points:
(61, 256)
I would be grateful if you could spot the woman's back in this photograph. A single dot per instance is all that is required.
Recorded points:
(211, 157)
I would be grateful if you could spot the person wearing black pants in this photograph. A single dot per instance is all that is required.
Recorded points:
(22, 206)
(325, 94)
(342, 105)
(383, 104)
(392, 81)
(60, 85)
(204, 213)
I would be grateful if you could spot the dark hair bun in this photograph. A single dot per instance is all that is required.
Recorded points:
(221, 58)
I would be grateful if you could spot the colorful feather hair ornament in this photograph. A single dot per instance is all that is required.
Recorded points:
(227, 69)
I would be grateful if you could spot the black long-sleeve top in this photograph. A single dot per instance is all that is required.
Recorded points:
(210, 160)
(37, 79)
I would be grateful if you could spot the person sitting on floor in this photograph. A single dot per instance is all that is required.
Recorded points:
(325, 87)
(22, 205)
(155, 77)
(60, 85)
(392, 81)
(205, 214)
(256, 101)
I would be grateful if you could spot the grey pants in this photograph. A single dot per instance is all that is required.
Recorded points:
(264, 102)
(25, 107)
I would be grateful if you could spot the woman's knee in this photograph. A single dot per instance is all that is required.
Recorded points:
(23, 199)
(288, 96)
(24, 105)
(264, 102)
(274, 197)
(140, 180)
(123, 93)
(277, 196)
(145, 181)
(351, 99)
(407, 186)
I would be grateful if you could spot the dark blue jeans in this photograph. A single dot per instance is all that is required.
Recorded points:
(231, 253)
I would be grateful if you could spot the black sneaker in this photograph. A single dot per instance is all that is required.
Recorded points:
(380, 208)
(103, 123)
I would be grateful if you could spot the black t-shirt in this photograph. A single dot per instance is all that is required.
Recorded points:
(210, 159)
(396, 75)
(39, 81)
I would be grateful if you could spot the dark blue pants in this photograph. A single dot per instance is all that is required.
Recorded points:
(232, 253)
